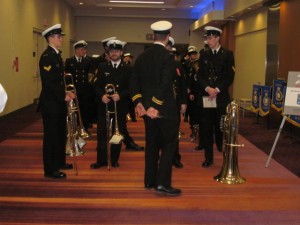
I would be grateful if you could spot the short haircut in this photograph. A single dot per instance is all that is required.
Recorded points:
(160, 37)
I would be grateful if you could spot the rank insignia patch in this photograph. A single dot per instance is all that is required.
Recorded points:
(47, 68)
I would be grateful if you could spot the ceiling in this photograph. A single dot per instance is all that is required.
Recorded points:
(181, 9)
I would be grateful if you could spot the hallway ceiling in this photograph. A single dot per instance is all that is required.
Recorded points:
(181, 9)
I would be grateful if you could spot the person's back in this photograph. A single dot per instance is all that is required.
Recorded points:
(153, 67)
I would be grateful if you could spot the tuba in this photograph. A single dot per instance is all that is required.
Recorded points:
(116, 137)
(229, 173)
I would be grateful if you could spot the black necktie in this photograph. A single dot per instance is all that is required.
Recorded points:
(115, 66)
(215, 52)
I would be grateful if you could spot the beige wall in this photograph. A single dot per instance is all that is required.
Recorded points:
(18, 19)
(232, 7)
(250, 53)
(127, 29)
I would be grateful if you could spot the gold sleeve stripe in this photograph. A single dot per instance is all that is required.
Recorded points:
(136, 97)
(233, 68)
(158, 102)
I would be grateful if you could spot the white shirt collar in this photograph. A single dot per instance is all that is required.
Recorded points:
(116, 62)
(55, 49)
(159, 43)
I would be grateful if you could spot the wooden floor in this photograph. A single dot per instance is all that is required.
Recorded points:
(269, 196)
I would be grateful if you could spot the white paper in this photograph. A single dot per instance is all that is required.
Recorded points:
(209, 103)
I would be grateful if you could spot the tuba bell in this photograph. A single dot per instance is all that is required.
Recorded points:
(116, 137)
(229, 173)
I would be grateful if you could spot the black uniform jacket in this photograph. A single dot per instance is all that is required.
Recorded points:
(152, 81)
(216, 71)
(119, 77)
(52, 98)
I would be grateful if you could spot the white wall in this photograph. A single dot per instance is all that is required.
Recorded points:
(93, 29)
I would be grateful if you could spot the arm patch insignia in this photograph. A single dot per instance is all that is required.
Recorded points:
(47, 68)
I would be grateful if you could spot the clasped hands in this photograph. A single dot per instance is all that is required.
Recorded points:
(151, 112)
(212, 92)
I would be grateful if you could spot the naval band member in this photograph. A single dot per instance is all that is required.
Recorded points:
(114, 72)
(215, 75)
(53, 105)
(151, 89)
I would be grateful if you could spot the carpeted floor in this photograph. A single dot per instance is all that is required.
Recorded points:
(287, 151)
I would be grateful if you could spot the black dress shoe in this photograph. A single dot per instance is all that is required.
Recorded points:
(134, 146)
(66, 166)
(178, 164)
(167, 190)
(149, 186)
(116, 165)
(207, 163)
(97, 165)
(56, 175)
(199, 148)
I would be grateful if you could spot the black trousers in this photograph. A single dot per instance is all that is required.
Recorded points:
(211, 127)
(161, 134)
(87, 106)
(54, 141)
(102, 138)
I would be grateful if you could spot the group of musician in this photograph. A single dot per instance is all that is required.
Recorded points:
(161, 87)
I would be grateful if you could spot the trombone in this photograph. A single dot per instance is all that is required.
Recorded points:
(75, 141)
(116, 137)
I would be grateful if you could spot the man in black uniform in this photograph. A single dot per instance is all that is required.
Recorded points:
(114, 72)
(215, 75)
(180, 90)
(128, 58)
(105, 57)
(53, 105)
(80, 67)
(152, 92)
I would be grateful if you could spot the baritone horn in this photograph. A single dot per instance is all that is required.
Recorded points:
(81, 129)
(75, 142)
(116, 137)
(229, 173)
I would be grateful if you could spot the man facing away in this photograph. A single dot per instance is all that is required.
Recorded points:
(152, 92)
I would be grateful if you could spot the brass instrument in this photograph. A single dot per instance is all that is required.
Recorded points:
(75, 141)
(82, 131)
(116, 137)
(229, 173)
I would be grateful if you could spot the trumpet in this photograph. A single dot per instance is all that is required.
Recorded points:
(116, 137)
(75, 142)
(229, 173)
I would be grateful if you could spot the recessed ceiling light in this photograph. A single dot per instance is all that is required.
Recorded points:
(163, 9)
(110, 8)
(191, 6)
(137, 2)
(80, 3)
